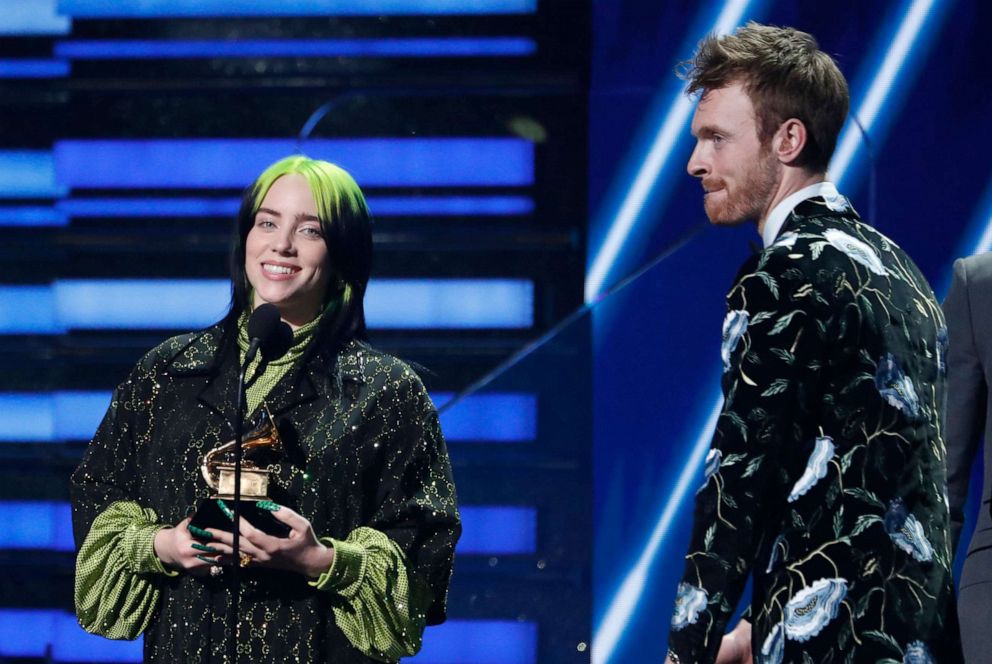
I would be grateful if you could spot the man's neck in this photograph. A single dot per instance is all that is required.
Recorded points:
(793, 179)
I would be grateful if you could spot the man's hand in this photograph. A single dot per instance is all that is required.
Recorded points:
(735, 648)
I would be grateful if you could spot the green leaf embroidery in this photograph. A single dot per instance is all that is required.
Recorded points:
(731, 459)
(882, 637)
(863, 522)
(864, 495)
(777, 387)
(786, 356)
(752, 466)
(769, 282)
(783, 322)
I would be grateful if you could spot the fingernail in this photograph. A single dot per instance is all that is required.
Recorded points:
(201, 547)
(225, 509)
(267, 505)
(200, 532)
(208, 560)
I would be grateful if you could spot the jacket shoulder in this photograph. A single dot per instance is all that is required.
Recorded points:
(184, 352)
(380, 370)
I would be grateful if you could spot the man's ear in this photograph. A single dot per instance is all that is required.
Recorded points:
(789, 141)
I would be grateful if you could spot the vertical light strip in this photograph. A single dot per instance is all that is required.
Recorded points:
(983, 220)
(654, 162)
(611, 628)
(878, 93)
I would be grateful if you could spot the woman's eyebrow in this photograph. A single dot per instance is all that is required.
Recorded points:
(299, 217)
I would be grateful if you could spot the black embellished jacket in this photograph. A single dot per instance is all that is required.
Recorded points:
(825, 480)
(364, 449)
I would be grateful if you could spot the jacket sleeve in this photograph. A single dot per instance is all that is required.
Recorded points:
(967, 395)
(393, 573)
(117, 572)
(770, 350)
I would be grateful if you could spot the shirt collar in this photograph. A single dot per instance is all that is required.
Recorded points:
(778, 215)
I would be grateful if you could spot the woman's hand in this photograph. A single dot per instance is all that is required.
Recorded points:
(178, 549)
(300, 551)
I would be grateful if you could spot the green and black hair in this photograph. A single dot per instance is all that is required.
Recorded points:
(346, 225)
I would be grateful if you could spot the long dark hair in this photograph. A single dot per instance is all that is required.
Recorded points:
(347, 228)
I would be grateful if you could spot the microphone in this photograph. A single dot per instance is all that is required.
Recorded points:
(268, 333)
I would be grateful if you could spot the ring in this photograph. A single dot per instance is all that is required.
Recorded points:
(245, 560)
(216, 570)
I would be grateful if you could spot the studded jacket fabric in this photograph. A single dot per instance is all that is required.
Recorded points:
(825, 480)
(365, 462)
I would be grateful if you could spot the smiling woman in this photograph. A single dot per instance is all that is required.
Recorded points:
(364, 485)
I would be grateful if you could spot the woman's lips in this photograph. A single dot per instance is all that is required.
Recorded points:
(279, 272)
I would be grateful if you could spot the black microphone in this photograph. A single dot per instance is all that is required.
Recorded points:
(268, 333)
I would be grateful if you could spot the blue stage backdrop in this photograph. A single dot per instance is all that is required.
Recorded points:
(919, 73)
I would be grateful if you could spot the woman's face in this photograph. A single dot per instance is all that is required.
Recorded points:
(285, 253)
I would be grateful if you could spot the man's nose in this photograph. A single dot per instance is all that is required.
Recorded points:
(696, 166)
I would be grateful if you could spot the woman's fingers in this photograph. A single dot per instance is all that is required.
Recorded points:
(282, 513)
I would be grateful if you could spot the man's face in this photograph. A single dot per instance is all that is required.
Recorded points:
(739, 175)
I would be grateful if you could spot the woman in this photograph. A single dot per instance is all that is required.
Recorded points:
(365, 487)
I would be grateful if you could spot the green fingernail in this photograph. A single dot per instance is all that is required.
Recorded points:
(267, 505)
(201, 547)
(225, 509)
(199, 532)
(208, 560)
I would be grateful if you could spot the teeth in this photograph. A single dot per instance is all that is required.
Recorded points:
(276, 269)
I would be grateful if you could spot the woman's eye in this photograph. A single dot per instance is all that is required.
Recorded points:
(311, 231)
(265, 223)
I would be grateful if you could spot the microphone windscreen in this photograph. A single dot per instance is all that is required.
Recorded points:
(264, 322)
(278, 344)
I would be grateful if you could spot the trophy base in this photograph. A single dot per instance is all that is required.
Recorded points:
(210, 515)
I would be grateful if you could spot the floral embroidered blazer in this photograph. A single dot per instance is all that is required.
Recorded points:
(825, 479)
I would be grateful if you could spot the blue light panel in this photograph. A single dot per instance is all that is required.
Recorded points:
(93, 304)
(31, 215)
(498, 530)
(409, 47)
(235, 163)
(490, 417)
(450, 304)
(28, 174)
(479, 642)
(33, 17)
(44, 417)
(184, 304)
(30, 633)
(25, 68)
(28, 310)
(239, 8)
(36, 525)
(381, 206)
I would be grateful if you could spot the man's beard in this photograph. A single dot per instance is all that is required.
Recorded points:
(750, 198)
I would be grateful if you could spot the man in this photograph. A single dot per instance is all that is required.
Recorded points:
(825, 480)
(968, 308)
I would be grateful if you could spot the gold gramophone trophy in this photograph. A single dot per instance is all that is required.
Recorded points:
(261, 450)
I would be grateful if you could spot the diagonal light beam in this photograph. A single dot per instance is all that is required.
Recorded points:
(654, 163)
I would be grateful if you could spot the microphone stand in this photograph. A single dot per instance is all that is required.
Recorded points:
(239, 411)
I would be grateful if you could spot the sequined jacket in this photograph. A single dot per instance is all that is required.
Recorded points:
(365, 450)
(825, 479)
